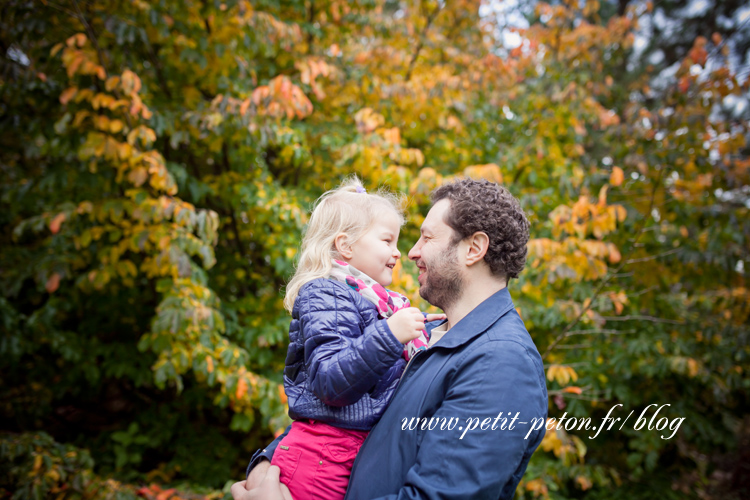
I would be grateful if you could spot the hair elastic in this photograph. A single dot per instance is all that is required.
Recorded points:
(360, 189)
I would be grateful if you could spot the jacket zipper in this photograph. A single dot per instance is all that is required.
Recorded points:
(405, 369)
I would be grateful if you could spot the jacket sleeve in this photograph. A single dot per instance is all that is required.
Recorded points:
(344, 359)
(476, 463)
(266, 453)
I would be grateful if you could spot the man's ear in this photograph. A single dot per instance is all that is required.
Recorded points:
(342, 245)
(478, 244)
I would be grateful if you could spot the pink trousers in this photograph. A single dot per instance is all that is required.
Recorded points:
(316, 459)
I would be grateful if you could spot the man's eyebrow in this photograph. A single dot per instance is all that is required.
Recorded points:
(425, 229)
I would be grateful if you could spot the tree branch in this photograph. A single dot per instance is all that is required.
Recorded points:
(600, 332)
(637, 317)
(563, 335)
(92, 35)
(652, 257)
(420, 44)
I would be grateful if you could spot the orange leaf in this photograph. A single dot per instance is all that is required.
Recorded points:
(614, 254)
(617, 176)
(684, 84)
(243, 107)
(67, 95)
(241, 388)
(143, 492)
(573, 389)
(584, 482)
(54, 225)
(53, 283)
(165, 494)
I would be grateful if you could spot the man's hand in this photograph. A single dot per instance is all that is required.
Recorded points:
(269, 487)
(257, 474)
(406, 324)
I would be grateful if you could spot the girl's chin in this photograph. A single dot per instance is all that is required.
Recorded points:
(386, 282)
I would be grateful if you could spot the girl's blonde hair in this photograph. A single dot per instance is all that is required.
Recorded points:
(346, 209)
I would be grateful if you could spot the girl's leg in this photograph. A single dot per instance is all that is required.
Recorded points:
(316, 460)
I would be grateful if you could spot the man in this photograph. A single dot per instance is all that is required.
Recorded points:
(466, 416)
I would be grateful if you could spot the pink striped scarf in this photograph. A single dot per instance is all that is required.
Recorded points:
(386, 301)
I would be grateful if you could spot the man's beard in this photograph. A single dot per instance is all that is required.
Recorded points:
(443, 284)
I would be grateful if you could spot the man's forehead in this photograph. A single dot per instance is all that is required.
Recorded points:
(435, 220)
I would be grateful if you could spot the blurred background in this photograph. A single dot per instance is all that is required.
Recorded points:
(158, 161)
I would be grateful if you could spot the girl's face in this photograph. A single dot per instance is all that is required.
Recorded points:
(375, 253)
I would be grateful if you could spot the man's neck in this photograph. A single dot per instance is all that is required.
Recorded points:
(476, 291)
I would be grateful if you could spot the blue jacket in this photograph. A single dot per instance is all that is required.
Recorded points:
(486, 367)
(343, 362)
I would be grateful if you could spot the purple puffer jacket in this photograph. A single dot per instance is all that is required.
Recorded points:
(343, 362)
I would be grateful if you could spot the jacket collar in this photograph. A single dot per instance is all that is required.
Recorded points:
(478, 320)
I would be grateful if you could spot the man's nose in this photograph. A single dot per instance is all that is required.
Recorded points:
(414, 252)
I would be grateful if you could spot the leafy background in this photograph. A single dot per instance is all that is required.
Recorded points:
(158, 164)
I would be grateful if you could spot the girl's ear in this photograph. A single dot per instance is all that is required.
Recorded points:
(342, 245)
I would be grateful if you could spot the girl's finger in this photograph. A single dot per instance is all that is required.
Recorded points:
(435, 317)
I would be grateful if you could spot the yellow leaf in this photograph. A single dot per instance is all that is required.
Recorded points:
(115, 126)
(74, 65)
(603, 196)
(56, 49)
(130, 82)
(138, 176)
(53, 474)
(491, 172)
(132, 136)
(111, 83)
(621, 213)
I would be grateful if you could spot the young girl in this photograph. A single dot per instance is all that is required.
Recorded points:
(350, 338)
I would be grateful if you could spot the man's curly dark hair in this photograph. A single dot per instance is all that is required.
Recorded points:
(480, 205)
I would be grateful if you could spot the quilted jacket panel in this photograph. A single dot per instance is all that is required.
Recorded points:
(343, 362)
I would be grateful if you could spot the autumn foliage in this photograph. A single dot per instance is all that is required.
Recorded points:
(158, 164)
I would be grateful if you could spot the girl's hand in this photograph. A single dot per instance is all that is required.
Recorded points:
(436, 317)
(406, 324)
